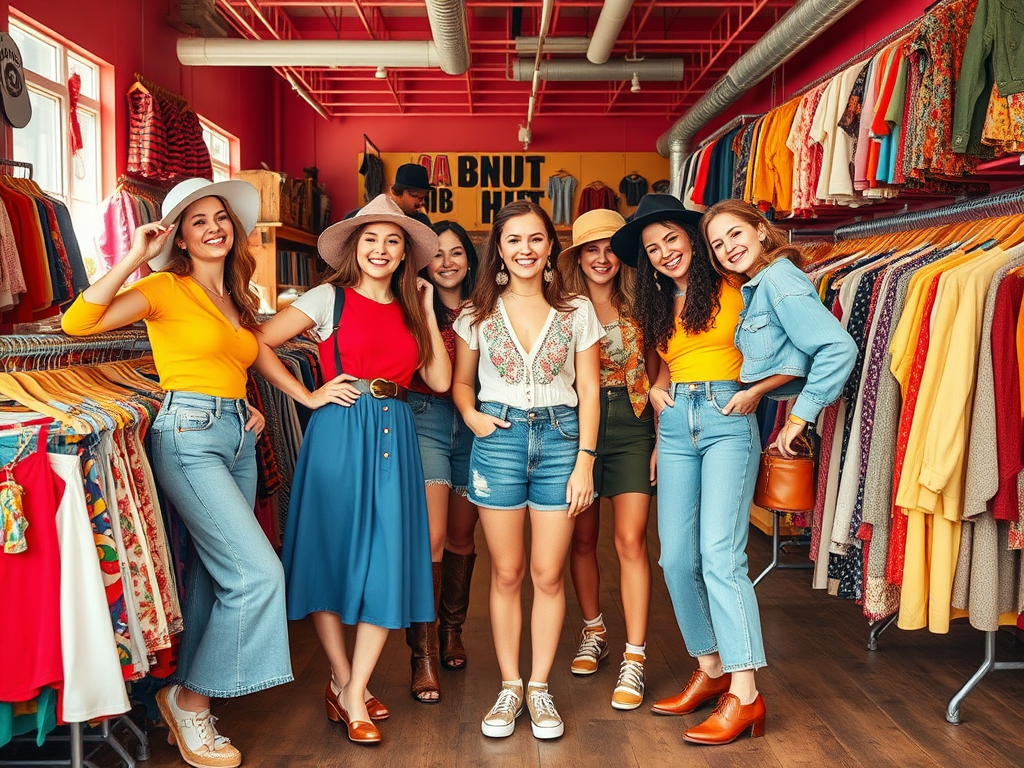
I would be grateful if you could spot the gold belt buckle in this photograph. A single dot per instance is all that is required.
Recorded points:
(382, 389)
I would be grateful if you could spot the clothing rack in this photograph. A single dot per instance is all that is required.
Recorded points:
(722, 130)
(17, 164)
(46, 349)
(159, 90)
(1002, 204)
(77, 738)
(142, 188)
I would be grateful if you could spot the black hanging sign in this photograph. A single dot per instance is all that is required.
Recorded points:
(16, 106)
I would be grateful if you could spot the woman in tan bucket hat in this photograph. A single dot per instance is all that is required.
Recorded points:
(625, 443)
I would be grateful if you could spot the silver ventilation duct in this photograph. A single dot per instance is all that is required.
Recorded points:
(801, 24)
(448, 27)
(661, 70)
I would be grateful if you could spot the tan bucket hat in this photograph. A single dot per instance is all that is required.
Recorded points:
(599, 224)
(422, 245)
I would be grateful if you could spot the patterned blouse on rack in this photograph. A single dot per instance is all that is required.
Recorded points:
(622, 361)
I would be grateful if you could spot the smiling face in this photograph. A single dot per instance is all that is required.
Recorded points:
(599, 263)
(736, 244)
(206, 231)
(669, 250)
(380, 249)
(525, 246)
(451, 264)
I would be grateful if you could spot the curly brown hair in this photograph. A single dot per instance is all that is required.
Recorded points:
(487, 291)
(776, 242)
(655, 294)
(239, 267)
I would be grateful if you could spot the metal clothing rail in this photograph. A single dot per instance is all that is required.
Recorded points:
(722, 130)
(990, 206)
(17, 164)
(78, 737)
(45, 350)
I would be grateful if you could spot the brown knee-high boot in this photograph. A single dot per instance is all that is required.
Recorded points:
(421, 638)
(457, 574)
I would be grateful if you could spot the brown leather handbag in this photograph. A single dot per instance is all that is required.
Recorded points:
(786, 484)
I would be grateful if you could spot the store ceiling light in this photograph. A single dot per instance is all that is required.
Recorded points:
(381, 73)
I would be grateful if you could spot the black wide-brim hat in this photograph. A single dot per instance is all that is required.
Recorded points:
(653, 209)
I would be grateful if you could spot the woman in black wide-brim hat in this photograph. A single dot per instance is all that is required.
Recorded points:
(707, 457)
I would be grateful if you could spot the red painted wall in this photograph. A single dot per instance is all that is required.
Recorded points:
(858, 30)
(133, 36)
(308, 139)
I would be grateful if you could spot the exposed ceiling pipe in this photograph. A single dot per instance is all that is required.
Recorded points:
(231, 52)
(609, 24)
(654, 70)
(801, 24)
(526, 131)
(448, 27)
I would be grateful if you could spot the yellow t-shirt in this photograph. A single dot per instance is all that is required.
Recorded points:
(195, 347)
(711, 355)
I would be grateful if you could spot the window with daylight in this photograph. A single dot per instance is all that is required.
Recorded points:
(73, 177)
(220, 145)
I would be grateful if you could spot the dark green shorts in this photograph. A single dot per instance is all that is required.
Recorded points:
(624, 446)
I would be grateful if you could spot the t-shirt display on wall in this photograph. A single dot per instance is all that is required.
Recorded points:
(470, 188)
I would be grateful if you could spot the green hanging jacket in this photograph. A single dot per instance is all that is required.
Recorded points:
(995, 50)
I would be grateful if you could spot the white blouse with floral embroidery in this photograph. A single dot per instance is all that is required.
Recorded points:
(542, 377)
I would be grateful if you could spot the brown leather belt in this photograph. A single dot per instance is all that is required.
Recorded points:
(381, 389)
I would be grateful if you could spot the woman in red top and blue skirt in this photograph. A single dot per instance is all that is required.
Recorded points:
(357, 545)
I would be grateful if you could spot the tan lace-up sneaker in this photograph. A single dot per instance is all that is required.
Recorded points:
(544, 718)
(593, 648)
(195, 733)
(629, 690)
(501, 720)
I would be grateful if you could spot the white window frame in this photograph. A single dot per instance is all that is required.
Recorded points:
(221, 170)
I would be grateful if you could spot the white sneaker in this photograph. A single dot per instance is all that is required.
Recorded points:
(593, 648)
(501, 720)
(195, 733)
(544, 718)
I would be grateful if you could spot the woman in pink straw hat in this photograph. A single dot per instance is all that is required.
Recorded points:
(357, 544)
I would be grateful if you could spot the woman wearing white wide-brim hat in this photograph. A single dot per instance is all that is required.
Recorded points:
(357, 543)
(201, 315)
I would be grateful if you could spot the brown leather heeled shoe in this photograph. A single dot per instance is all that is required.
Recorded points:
(700, 689)
(728, 721)
(359, 731)
(377, 710)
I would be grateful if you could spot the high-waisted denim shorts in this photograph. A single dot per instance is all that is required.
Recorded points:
(528, 463)
(445, 441)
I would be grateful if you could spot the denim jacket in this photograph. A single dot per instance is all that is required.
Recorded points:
(785, 329)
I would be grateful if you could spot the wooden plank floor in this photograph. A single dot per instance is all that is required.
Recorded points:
(830, 701)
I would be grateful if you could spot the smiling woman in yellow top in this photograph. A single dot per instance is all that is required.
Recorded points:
(201, 313)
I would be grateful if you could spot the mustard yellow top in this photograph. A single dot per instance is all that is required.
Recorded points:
(195, 347)
(711, 355)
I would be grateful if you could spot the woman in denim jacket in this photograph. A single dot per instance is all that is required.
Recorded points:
(784, 329)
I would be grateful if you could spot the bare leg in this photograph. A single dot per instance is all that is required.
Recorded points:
(462, 518)
(370, 641)
(503, 530)
(586, 578)
(631, 513)
(437, 513)
(552, 535)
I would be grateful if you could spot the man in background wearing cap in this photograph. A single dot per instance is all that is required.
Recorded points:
(410, 190)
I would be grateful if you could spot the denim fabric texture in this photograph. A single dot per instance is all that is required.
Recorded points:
(707, 467)
(785, 329)
(528, 463)
(236, 636)
(445, 441)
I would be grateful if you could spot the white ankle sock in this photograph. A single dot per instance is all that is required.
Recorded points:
(535, 684)
(639, 650)
(517, 683)
(595, 623)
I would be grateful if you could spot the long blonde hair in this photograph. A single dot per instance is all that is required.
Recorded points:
(348, 274)
(239, 267)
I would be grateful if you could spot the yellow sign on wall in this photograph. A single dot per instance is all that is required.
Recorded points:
(471, 188)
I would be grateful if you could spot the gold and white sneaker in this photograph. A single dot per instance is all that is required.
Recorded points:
(544, 718)
(501, 720)
(195, 733)
(629, 690)
(593, 648)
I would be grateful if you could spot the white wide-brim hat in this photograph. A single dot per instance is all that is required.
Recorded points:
(242, 196)
(422, 240)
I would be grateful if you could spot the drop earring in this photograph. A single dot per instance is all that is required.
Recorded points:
(502, 277)
(549, 273)
(657, 285)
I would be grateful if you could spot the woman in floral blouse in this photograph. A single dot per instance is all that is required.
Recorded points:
(533, 348)
(623, 471)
